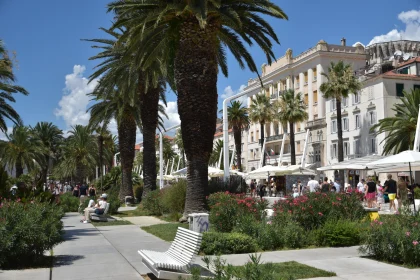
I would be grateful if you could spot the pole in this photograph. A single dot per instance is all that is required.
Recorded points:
(160, 160)
(226, 126)
(416, 146)
(220, 159)
(233, 156)
(411, 183)
(172, 167)
(303, 161)
(282, 148)
(179, 160)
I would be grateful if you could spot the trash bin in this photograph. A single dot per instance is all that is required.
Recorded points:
(199, 222)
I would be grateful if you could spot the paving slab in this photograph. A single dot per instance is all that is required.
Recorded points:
(27, 274)
(144, 221)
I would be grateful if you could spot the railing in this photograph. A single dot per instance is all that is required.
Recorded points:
(274, 137)
(318, 122)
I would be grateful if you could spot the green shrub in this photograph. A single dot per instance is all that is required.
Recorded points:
(114, 204)
(173, 197)
(27, 231)
(394, 239)
(69, 203)
(417, 193)
(152, 203)
(236, 184)
(138, 192)
(338, 233)
(227, 243)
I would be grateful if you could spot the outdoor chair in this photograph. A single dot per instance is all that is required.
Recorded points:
(176, 262)
(102, 217)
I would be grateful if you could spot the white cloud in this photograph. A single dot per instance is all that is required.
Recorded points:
(411, 20)
(75, 101)
(173, 116)
(3, 135)
(228, 92)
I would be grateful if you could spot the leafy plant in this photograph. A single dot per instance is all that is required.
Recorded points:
(417, 193)
(152, 202)
(69, 203)
(338, 233)
(227, 243)
(173, 197)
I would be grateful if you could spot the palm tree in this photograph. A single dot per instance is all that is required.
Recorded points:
(190, 39)
(168, 152)
(215, 155)
(7, 88)
(261, 111)
(400, 129)
(50, 136)
(22, 150)
(79, 157)
(341, 82)
(180, 145)
(291, 110)
(238, 120)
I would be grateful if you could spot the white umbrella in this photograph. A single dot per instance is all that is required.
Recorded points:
(213, 172)
(298, 170)
(403, 157)
(264, 172)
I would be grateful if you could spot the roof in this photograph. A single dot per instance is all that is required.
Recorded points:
(397, 75)
(416, 59)
(217, 134)
(138, 147)
(165, 136)
(354, 164)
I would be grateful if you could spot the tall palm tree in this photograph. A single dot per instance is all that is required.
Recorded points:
(7, 88)
(341, 82)
(400, 129)
(261, 111)
(238, 120)
(136, 85)
(190, 38)
(22, 150)
(291, 110)
(168, 152)
(180, 145)
(51, 137)
(79, 157)
(215, 155)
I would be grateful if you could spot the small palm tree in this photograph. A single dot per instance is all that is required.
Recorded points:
(22, 150)
(400, 129)
(291, 110)
(7, 88)
(215, 155)
(341, 82)
(261, 111)
(190, 39)
(51, 137)
(238, 120)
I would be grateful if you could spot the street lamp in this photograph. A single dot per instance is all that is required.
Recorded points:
(161, 154)
(226, 127)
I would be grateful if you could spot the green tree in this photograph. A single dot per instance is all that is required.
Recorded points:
(190, 39)
(180, 145)
(51, 137)
(215, 155)
(7, 88)
(261, 111)
(79, 157)
(341, 82)
(238, 120)
(291, 110)
(400, 129)
(22, 150)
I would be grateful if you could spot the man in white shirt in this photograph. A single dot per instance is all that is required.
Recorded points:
(361, 186)
(337, 186)
(99, 208)
(313, 184)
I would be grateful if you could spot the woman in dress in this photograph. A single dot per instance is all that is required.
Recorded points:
(380, 194)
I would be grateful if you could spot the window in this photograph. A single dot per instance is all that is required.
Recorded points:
(305, 99)
(257, 137)
(373, 148)
(252, 137)
(333, 150)
(252, 154)
(297, 81)
(315, 95)
(297, 126)
(319, 135)
(306, 78)
(357, 98)
(277, 149)
(332, 105)
(371, 117)
(346, 148)
(315, 116)
(357, 121)
(310, 137)
(298, 146)
(416, 87)
(403, 70)
(314, 71)
(276, 129)
(345, 124)
(356, 146)
(334, 126)
(257, 155)
(400, 89)
(345, 101)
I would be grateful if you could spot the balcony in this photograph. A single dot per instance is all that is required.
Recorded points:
(318, 123)
(277, 137)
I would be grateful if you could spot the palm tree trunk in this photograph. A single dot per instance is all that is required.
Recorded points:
(19, 168)
(340, 137)
(45, 169)
(149, 104)
(196, 80)
(100, 153)
(292, 144)
(262, 142)
(238, 145)
(127, 141)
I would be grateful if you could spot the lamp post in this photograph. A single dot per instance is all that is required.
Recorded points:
(161, 154)
(226, 126)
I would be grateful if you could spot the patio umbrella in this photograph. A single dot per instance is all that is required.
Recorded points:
(403, 157)
(264, 172)
(213, 172)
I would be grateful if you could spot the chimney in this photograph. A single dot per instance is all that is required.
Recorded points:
(343, 42)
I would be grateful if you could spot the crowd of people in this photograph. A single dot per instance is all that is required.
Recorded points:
(374, 193)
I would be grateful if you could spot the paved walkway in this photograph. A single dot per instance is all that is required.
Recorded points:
(144, 220)
(110, 252)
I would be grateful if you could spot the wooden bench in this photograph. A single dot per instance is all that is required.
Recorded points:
(102, 217)
(177, 260)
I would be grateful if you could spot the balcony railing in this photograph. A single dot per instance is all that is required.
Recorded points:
(316, 123)
(274, 137)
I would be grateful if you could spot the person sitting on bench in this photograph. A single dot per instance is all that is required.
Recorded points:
(97, 209)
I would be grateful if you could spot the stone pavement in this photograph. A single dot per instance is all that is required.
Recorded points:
(144, 220)
(110, 252)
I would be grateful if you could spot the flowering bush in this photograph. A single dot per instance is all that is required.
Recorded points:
(27, 230)
(226, 208)
(394, 239)
(314, 209)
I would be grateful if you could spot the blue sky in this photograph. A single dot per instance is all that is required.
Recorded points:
(53, 62)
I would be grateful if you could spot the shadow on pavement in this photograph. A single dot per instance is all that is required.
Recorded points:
(71, 234)
(62, 260)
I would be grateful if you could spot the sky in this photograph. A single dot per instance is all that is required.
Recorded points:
(53, 62)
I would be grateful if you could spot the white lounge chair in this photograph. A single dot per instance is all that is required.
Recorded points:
(177, 260)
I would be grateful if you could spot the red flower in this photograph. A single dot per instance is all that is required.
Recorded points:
(319, 213)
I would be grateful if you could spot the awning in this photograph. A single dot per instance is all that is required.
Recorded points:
(355, 163)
